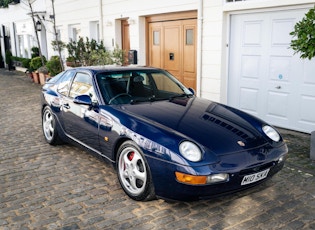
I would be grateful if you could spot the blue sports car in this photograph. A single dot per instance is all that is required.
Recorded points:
(163, 141)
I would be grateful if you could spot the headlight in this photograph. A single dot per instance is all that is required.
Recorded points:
(271, 133)
(190, 151)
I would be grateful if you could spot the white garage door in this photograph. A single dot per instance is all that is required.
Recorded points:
(265, 78)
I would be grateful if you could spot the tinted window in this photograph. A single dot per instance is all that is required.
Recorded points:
(128, 86)
(82, 85)
(64, 83)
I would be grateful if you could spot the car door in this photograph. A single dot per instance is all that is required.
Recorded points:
(81, 121)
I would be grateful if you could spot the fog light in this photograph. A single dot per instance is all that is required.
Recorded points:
(215, 178)
(199, 180)
(190, 179)
(281, 159)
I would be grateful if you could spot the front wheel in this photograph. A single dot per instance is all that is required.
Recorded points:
(133, 172)
(50, 127)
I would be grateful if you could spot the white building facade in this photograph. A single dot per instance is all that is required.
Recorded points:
(231, 51)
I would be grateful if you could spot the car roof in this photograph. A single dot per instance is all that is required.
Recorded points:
(110, 68)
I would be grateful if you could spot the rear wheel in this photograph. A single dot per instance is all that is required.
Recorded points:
(133, 172)
(49, 125)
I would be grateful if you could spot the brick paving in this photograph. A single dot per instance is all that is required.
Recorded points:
(64, 187)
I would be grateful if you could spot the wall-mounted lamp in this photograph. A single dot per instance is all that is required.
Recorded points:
(38, 26)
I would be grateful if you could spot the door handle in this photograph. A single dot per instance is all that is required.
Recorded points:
(278, 87)
(172, 56)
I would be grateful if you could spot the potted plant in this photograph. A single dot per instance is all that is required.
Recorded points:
(34, 52)
(70, 61)
(54, 66)
(35, 64)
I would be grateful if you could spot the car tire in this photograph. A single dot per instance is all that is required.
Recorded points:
(49, 126)
(134, 173)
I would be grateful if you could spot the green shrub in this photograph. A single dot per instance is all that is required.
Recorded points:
(5, 3)
(54, 65)
(8, 57)
(36, 63)
(34, 52)
(26, 62)
(304, 32)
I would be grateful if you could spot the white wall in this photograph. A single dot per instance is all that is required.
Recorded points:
(212, 50)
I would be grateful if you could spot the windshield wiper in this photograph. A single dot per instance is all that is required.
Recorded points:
(179, 95)
(139, 100)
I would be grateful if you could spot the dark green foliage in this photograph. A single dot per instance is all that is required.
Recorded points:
(54, 65)
(24, 62)
(80, 51)
(88, 52)
(304, 32)
(36, 63)
(55, 44)
(35, 52)
(5, 3)
(8, 57)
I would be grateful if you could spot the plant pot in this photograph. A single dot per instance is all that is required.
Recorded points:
(70, 63)
(35, 77)
(30, 75)
(42, 78)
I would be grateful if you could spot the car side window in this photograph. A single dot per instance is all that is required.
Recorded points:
(82, 85)
(64, 83)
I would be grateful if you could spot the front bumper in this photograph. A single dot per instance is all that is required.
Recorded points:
(179, 191)
(167, 187)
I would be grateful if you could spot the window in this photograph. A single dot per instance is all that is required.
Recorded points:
(74, 32)
(164, 83)
(189, 37)
(64, 85)
(82, 85)
(156, 38)
(95, 31)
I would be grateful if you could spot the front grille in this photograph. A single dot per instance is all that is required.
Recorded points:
(256, 169)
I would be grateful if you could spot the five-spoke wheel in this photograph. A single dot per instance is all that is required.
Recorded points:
(49, 127)
(134, 173)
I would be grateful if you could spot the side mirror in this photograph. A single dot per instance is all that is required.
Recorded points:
(192, 90)
(83, 100)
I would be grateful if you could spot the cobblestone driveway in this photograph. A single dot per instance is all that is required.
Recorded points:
(64, 187)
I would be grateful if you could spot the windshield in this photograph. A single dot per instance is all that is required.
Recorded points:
(133, 86)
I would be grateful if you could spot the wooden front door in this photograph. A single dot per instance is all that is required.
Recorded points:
(172, 46)
(125, 39)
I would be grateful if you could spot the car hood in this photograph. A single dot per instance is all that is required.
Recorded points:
(217, 127)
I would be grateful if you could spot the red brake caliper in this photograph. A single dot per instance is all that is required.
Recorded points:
(131, 155)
